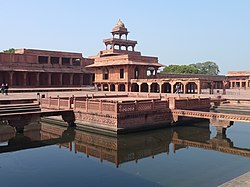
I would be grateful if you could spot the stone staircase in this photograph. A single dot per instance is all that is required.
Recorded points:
(19, 108)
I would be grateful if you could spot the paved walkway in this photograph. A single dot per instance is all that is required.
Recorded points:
(31, 93)
(241, 181)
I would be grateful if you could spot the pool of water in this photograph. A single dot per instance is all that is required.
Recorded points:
(191, 154)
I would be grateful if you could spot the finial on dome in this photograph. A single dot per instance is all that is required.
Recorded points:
(120, 24)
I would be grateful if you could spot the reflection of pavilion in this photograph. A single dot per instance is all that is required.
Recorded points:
(120, 149)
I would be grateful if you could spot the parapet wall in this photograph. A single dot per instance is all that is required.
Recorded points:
(124, 112)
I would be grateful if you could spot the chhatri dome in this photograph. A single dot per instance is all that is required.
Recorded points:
(120, 24)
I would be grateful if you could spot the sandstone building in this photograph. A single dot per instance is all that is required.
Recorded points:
(41, 68)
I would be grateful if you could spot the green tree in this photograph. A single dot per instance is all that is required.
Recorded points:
(208, 67)
(181, 69)
(11, 50)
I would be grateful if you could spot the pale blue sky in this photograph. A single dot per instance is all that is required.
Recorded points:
(177, 31)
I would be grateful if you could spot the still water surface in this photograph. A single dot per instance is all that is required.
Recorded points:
(188, 155)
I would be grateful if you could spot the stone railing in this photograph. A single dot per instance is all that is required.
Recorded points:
(148, 105)
(103, 107)
(190, 103)
(56, 103)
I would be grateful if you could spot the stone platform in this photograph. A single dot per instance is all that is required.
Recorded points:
(241, 181)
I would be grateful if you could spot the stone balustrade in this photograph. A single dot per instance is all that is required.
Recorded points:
(104, 107)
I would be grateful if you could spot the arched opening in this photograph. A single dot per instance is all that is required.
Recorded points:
(154, 87)
(130, 48)
(191, 88)
(31, 79)
(99, 87)
(166, 87)
(66, 79)
(112, 87)
(136, 73)
(144, 87)
(178, 87)
(105, 87)
(43, 79)
(76, 79)
(121, 87)
(18, 79)
(134, 87)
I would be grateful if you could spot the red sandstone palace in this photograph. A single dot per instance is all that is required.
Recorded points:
(40, 68)
(117, 68)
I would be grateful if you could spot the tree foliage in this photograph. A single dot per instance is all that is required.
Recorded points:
(181, 69)
(209, 68)
(11, 50)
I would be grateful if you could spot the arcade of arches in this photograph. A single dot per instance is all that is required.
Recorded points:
(190, 86)
(33, 79)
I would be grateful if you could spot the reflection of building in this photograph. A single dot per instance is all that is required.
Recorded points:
(239, 79)
(123, 148)
(37, 68)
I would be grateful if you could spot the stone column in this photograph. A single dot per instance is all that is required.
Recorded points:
(11, 78)
(184, 87)
(38, 79)
(224, 83)
(81, 79)
(71, 79)
(60, 79)
(198, 87)
(212, 88)
(240, 83)
(116, 87)
(139, 84)
(25, 78)
(149, 87)
(172, 87)
(160, 88)
(49, 61)
(49, 79)
(60, 60)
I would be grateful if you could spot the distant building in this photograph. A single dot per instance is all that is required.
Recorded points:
(41, 68)
(239, 79)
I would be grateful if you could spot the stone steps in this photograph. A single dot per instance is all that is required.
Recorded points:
(19, 108)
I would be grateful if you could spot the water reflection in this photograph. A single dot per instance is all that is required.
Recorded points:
(120, 149)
